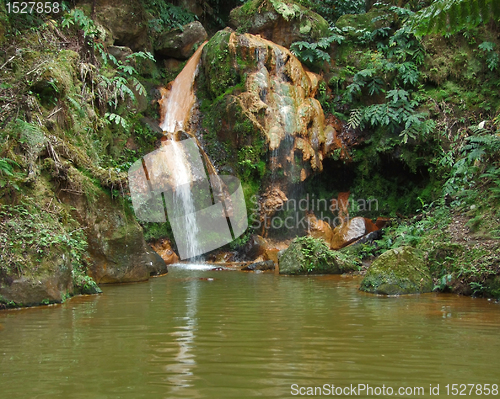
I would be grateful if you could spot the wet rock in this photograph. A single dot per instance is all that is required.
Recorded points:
(280, 22)
(163, 248)
(255, 247)
(118, 252)
(180, 43)
(319, 228)
(272, 254)
(264, 265)
(397, 272)
(382, 222)
(52, 283)
(307, 255)
(262, 93)
(224, 257)
(368, 238)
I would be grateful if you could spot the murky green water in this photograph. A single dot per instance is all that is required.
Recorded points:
(245, 335)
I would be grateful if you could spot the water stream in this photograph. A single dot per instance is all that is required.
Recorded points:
(183, 197)
(176, 109)
(197, 333)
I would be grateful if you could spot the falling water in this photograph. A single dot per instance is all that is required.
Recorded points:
(176, 109)
(183, 198)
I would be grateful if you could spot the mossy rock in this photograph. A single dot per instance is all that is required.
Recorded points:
(376, 18)
(220, 74)
(282, 22)
(57, 78)
(398, 271)
(492, 287)
(308, 255)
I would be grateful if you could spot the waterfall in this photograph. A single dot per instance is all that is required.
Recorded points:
(176, 109)
(183, 198)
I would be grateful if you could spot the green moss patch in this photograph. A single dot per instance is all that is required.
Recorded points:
(397, 272)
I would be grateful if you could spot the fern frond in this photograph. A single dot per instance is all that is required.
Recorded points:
(451, 16)
(355, 118)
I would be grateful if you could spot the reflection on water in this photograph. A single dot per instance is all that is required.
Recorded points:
(199, 333)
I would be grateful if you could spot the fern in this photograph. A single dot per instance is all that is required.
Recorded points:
(111, 117)
(451, 16)
(355, 119)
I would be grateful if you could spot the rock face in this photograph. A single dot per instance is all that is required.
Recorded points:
(278, 21)
(307, 255)
(118, 251)
(126, 20)
(163, 248)
(50, 285)
(265, 100)
(397, 272)
(180, 43)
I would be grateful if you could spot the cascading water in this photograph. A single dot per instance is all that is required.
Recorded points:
(176, 109)
(183, 198)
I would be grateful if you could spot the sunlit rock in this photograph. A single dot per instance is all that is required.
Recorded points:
(163, 248)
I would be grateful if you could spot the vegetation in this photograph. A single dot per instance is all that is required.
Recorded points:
(415, 84)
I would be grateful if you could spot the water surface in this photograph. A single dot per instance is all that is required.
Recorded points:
(197, 333)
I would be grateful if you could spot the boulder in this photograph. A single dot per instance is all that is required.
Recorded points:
(52, 283)
(348, 232)
(121, 53)
(126, 20)
(263, 266)
(255, 247)
(397, 272)
(308, 255)
(118, 252)
(278, 21)
(163, 248)
(180, 43)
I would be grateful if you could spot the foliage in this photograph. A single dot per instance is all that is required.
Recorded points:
(451, 16)
(167, 16)
(318, 257)
(29, 234)
(331, 10)
(397, 113)
(7, 173)
(314, 54)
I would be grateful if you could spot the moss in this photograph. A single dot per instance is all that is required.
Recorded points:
(376, 18)
(249, 17)
(396, 272)
(308, 255)
(219, 70)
